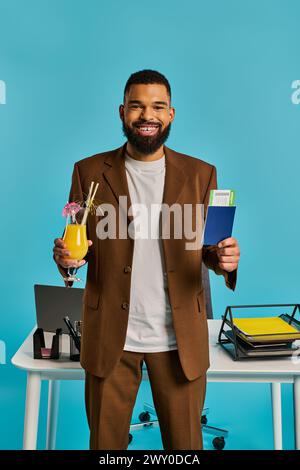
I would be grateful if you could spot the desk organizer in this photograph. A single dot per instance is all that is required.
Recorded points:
(39, 349)
(232, 341)
(74, 351)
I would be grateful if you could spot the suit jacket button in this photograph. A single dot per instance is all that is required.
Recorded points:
(127, 269)
(125, 305)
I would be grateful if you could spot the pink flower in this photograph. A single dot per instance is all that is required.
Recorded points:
(71, 208)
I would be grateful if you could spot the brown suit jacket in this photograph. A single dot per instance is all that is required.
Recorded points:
(188, 180)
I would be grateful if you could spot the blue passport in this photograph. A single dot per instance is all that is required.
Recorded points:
(218, 224)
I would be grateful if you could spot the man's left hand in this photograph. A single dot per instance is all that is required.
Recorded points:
(228, 252)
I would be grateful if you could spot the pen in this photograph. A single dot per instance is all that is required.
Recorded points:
(73, 333)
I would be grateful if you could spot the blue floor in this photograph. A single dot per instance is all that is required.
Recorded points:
(243, 409)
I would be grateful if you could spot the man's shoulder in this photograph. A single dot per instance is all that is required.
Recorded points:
(96, 159)
(192, 163)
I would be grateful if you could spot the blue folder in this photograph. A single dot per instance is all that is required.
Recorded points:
(218, 224)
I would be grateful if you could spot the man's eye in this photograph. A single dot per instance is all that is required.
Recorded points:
(158, 107)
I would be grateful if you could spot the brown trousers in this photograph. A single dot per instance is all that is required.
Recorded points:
(178, 402)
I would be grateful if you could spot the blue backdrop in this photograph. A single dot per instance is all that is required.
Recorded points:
(231, 65)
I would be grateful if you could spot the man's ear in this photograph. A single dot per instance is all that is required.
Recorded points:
(172, 113)
(121, 111)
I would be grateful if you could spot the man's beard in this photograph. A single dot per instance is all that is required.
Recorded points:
(144, 144)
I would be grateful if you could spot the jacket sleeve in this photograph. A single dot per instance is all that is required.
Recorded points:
(209, 256)
(75, 195)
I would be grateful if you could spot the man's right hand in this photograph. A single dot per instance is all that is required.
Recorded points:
(60, 252)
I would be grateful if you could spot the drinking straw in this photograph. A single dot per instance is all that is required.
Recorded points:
(89, 201)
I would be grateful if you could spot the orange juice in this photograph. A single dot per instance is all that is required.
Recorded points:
(76, 240)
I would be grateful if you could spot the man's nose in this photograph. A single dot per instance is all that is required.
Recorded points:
(147, 113)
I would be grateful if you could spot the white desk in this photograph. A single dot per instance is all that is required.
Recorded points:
(222, 369)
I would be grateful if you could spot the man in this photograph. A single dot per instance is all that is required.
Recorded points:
(144, 299)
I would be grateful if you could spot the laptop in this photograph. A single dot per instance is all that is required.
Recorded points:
(52, 303)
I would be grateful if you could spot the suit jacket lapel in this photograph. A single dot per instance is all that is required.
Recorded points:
(175, 178)
(115, 175)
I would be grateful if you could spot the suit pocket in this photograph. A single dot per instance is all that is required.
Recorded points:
(91, 298)
(201, 303)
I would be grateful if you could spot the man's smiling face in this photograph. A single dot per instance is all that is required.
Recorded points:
(147, 115)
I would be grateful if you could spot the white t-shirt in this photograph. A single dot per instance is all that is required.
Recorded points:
(150, 324)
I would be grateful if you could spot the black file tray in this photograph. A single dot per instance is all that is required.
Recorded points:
(232, 344)
(39, 343)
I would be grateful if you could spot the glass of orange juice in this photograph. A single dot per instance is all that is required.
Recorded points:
(75, 238)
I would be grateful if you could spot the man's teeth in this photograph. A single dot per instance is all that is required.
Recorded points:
(148, 128)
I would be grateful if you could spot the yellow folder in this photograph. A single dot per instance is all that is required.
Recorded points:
(266, 326)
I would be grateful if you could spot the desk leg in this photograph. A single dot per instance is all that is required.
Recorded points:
(296, 388)
(32, 408)
(276, 409)
(53, 399)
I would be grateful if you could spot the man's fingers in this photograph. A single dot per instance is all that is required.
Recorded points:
(231, 241)
(228, 259)
(228, 251)
(69, 263)
(228, 266)
(229, 254)
(61, 251)
(59, 243)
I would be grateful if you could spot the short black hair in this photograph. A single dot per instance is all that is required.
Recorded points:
(145, 77)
